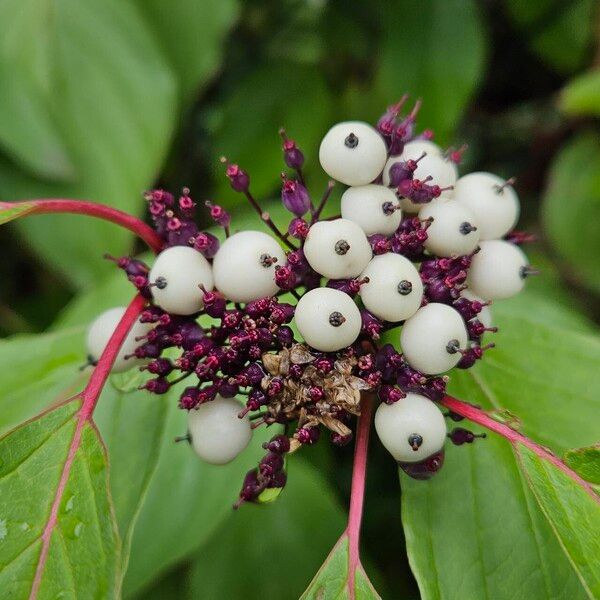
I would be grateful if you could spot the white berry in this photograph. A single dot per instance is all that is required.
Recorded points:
(337, 249)
(375, 208)
(443, 171)
(454, 230)
(103, 327)
(498, 270)
(430, 339)
(411, 429)
(327, 319)
(485, 314)
(394, 290)
(175, 278)
(216, 432)
(353, 152)
(494, 204)
(244, 266)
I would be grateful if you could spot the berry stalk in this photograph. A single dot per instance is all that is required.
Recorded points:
(357, 493)
(92, 209)
(476, 415)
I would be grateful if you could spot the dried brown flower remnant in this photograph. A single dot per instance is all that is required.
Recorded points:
(311, 395)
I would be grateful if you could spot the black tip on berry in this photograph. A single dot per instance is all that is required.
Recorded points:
(351, 141)
(160, 283)
(336, 319)
(527, 271)
(404, 287)
(341, 247)
(183, 438)
(453, 346)
(415, 441)
(466, 228)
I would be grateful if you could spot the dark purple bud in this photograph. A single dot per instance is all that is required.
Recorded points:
(476, 329)
(251, 488)
(279, 444)
(337, 439)
(191, 334)
(275, 387)
(207, 244)
(371, 325)
(285, 278)
(188, 398)
(272, 463)
(297, 261)
(292, 155)
(390, 394)
(324, 364)
(227, 389)
(425, 469)
(259, 308)
(252, 375)
(298, 228)
(159, 366)
(295, 197)
(380, 244)
(387, 122)
(238, 178)
(214, 303)
(218, 214)
(308, 435)
(459, 436)
(278, 480)
(157, 386)
(282, 313)
(285, 336)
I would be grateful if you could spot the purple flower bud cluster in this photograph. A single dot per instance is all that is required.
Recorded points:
(175, 221)
(250, 350)
(270, 473)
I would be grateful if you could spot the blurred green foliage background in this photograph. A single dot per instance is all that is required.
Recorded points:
(102, 100)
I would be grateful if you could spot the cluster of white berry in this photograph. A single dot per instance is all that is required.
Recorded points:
(468, 216)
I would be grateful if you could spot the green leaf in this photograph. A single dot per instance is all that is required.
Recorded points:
(476, 525)
(296, 531)
(186, 502)
(573, 512)
(132, 426)
(585, 462)
(475, 530)
(96, 70)
(331, 581)
(192, 34)
(83, 549)
(10, 213)
(549, 381)
(581, 96)
(27, 132)
(40, 370)
(571, 209)
(245, 126)
(559, 32)
(433, 49)
(45, 369)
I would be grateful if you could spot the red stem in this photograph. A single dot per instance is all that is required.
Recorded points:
(89, 397)
(357, 493)
(92, 209)
(514, 437)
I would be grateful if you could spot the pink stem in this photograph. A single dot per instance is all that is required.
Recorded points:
(92, 209)
(357, 493)
(89, 397)
(514, 437)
